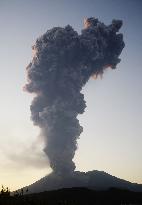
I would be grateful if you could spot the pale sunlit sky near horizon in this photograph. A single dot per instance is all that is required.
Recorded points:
(112, 121)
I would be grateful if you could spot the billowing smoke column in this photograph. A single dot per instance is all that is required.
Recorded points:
(62, 64)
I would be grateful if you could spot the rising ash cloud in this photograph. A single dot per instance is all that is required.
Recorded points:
(62, 64)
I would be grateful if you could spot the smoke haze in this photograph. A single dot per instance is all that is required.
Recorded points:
(62, 63)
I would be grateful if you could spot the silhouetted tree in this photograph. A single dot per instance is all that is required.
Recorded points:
(5, 191)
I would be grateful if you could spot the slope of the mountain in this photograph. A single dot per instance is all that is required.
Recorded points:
(97, 180)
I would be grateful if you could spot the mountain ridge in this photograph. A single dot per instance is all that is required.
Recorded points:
(96, 180)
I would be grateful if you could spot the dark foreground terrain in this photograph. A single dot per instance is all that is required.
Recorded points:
(76, 196)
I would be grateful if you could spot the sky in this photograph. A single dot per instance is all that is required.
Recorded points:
(112, 122)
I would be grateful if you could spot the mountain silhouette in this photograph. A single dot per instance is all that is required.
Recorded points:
(96, 180)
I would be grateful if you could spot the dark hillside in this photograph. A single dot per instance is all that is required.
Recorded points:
(76, 196)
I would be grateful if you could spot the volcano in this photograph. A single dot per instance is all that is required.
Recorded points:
(96, 180)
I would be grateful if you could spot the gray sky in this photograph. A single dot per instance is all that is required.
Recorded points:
(112, 123)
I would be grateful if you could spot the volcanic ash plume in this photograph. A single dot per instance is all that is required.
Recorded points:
(63, 62)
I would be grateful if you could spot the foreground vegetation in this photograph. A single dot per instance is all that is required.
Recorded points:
(74, 196)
